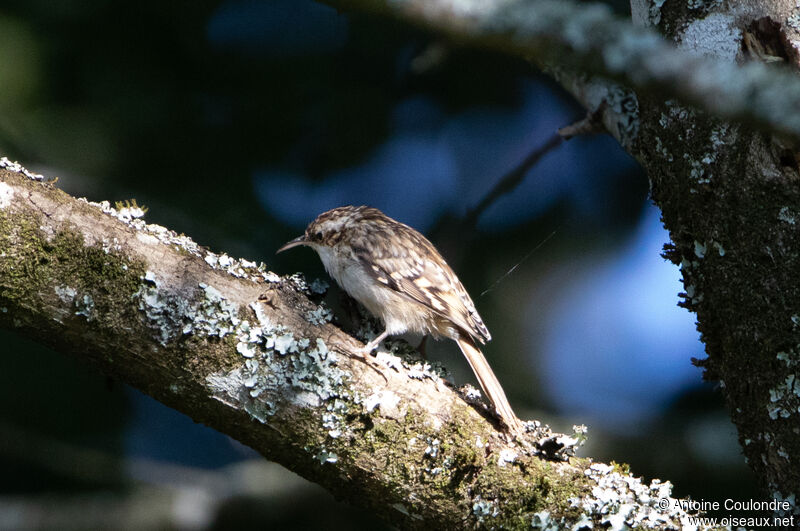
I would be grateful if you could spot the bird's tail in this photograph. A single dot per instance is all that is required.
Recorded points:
(492, 388)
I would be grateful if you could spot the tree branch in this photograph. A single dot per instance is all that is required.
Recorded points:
(248, 353)
(588, 38)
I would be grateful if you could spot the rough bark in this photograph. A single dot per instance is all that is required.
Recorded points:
(250, 354)
(730, 199)
(728, 190)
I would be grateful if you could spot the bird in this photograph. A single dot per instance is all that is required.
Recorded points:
(397, 274)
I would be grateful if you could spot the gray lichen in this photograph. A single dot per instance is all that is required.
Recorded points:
(304, 373)
(166, 313)
(622, 501)
(85, 307)
(214, 316)
(272, 358)
(789, 499)
(646, 12)
(66, 294)
(320, 315)
(784, 398)
(625, 105)
(484, 510)
(132, 216)
(207, 312)
(17, 168)
(787, 215)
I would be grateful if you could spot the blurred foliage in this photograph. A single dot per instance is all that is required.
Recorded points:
(48, 406)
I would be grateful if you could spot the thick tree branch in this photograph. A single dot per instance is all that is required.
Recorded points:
(248, 353)
(588, 38)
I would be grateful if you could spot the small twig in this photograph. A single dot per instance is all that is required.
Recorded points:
(590, 124)
(510, 180)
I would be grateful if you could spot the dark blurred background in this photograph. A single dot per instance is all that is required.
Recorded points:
(237, 122)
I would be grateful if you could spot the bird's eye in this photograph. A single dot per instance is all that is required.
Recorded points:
(317, 235)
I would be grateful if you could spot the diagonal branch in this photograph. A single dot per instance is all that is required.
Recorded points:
(248, 353)
(591, 123)
(510, 180)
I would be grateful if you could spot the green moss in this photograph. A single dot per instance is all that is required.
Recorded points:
(33, 264)
(560, 492)
(130, 203)
(458, 471)
(621, 468)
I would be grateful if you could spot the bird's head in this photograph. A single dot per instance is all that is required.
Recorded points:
(330, 227)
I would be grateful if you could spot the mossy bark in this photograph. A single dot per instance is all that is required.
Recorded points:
(730, 198)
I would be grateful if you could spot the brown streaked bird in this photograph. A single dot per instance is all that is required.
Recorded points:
(400, 277)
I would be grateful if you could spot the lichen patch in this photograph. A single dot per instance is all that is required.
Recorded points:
(621, 501)
(153, 234)
(305, 374)
(17, 168)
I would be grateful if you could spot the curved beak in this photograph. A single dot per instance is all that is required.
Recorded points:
(300, 240)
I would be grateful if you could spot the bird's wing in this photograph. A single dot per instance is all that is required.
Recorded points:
(420, 273)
